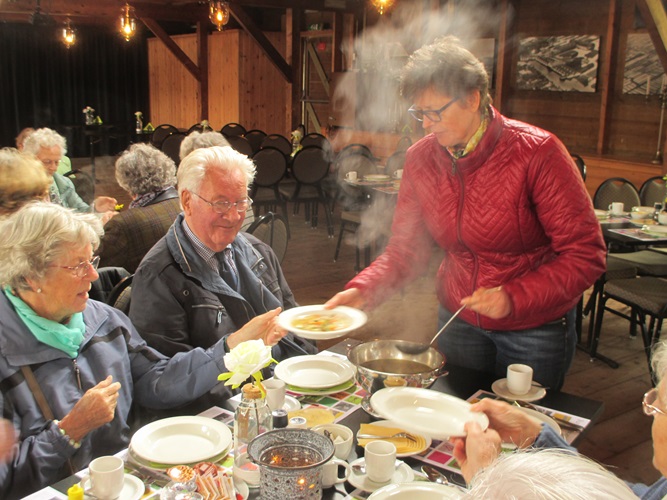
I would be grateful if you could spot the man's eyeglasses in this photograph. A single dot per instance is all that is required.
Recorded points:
(222, 207)
(432, 114)
(82, 269)
(648, 403)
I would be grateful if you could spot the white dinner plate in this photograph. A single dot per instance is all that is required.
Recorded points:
(499, 387)
(291, 404)
(403, 474)
(426, 412)
(350, 319)
(655, 230)
(418, 490)
(541, 417)
(133, 488)
(181, 440)
(348, 384)
(417, 449)
(377, 177)
(160, 466)
(314, 371)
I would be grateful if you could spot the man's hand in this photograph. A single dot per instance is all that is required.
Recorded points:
(513, 425)
(262, 327)
(105, 204)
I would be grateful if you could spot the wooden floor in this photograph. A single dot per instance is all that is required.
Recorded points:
(621, 439)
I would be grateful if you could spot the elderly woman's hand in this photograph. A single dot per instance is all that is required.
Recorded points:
(262, 327)
(513, 425)
(105, 204)
(351, 297)
(477, 450)
(94, 409)
(490, 302)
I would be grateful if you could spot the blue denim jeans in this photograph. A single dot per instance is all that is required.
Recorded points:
(548, 349)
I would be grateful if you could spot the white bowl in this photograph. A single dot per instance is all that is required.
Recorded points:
(642, 212)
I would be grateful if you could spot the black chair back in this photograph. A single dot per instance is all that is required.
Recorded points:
(171, 146)
(271, 166)
(160, 134)
(394, 162)
(404, 143)
(255, 138)
(83, 184)
(581, 165)
(198, 127)
(315, 139)
(240, 144)
(272, 229)
(616, 189)
(310, 165)
(232, 129)
(278, 142)
(652, 191)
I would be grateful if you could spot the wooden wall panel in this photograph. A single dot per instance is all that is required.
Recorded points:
(174, 92)
(223, 86)
(262, 90)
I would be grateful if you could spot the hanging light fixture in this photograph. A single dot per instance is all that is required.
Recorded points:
(218, 13)
(382, 5)
(69, 36)
(128, 24)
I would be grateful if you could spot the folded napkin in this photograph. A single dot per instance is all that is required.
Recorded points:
(403, 445)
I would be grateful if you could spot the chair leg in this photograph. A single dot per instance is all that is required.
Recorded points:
(340, 239)
(592, 351)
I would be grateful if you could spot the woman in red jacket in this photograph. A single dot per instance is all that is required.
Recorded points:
(508, 206)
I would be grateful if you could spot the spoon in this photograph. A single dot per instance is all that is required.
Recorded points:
(434, 475)
(418, 348)
(361, 467)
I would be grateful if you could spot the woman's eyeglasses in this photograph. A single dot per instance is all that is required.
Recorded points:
(432, 114)
(82, 269)
(222, 207)
(648, 403)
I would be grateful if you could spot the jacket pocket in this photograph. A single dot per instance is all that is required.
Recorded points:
(218, 310)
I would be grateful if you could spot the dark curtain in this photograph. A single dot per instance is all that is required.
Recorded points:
(44, 84)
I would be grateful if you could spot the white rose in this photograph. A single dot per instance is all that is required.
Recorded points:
(245, 359)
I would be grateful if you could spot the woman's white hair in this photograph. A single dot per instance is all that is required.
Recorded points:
(659, 360)
(193, 168)
(547, 474)
(36, 235)
(197, 140)
(142, 169)
(44, 138)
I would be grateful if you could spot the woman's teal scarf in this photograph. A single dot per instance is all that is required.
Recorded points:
(67, 337)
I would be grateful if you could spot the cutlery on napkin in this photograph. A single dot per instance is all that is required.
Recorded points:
(403, 445)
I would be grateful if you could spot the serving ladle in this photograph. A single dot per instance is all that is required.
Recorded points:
(418, 348)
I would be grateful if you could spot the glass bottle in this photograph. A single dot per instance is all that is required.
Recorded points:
(252, 418)
(139, 127)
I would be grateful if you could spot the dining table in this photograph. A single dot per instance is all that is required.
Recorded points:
(460, 382)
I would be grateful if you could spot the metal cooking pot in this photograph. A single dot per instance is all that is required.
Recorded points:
(372, 359)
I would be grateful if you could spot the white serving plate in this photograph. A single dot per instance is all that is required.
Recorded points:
(181, 440)
(426, 412)
(314, 371)
(418, 490)
(355, 317)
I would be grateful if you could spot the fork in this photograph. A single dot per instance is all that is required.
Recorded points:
(398, 435)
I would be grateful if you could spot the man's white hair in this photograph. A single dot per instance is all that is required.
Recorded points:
(44, 138)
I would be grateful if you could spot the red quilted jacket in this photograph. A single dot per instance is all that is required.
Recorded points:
(514, 212)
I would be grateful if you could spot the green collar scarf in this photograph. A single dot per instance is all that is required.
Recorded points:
(67, 337)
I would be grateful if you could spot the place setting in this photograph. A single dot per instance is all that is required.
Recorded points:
(519, 385)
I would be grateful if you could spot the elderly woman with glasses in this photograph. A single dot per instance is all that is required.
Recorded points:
(508, 424)
(506, 203)
(70, 367)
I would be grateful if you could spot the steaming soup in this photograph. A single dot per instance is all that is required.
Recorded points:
(405, 366)
(322, 322)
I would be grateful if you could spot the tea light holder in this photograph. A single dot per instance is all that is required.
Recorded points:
(290, 463)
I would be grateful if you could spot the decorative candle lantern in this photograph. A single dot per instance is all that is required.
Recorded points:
(290, 463)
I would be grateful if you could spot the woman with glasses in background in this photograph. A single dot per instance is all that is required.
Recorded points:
(71, 367)
(506, 203)
(508, 424)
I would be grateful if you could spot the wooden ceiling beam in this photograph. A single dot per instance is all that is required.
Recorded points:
(173, 47)
(264, 43)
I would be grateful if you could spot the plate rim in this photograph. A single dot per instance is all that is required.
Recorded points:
(324, 392)
(127, 477)
(403, 465)
(289, 362)
(222, 429)
(388, 392)
(379, 494)
(286, 316)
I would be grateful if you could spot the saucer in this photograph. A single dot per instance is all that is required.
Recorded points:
(133, 488)
(403, 474)
(499, 387)
(291, 404)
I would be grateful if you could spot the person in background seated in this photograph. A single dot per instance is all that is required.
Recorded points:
(546, 475)
(149, 176)
(509, 424)
(49, 147)
(205, 279)
(197, 140)
(87, 359)
(23, 135)
(22, 179)
(507, 205)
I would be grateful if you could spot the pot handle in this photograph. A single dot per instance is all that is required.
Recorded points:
(442, 373)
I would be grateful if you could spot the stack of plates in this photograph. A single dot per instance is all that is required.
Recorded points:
(601, 214)
(659, 231)
(180, 441)
(316, 375)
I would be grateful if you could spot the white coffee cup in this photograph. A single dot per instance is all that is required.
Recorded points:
(398, 174)
(275, 393)
(351, 176)
(343, 438)
(662, 218)
(519, 378)
(106, 477)
(617, 208)
(380, 457)
(330, 472)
